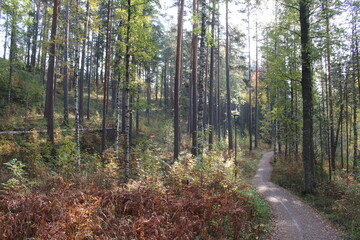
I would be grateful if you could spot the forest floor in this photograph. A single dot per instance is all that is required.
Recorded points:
(293, 219)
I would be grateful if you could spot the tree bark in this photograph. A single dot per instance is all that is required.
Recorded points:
(82, 71)
(202, 62)
(250, 87)
(66, 63)
(89, 76)
(228, 102)
(76, 87)
(355, 142)
(44, 48)
(50, 75)
(166, 86)
(6, 34)
(211, 83)
(194, 81)
(127, 93)
(347, 120)
(148, 94)
(13, 50)
(35, 35)
(107, 73)
(177, 81)
(256, 91)
(218, 114)
(307, 85)
(357, 74)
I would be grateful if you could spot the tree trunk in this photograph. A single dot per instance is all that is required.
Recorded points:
(137, 117)
(306, 83)
(166, 86)
(13, 50)
(228, 102)
(76, 83)
(50, 75)
(28, 46)
(44, 48)
(347, 120)
(177, 81)
(107, 73)
(218, 115)
(35, 35)
(66, 63)
(329, 79)
(117, 115)
(148, 94)
(256, 91)
(206, 88)
(6, 34)
(250, 87)
(355, 142)
(357, 73)
(327, 115)
(127, 92)
(211, 83)
(202, 62)
(89, 76)
(82, 71)
(194, 44)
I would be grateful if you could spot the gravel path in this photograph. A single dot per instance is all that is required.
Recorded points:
(293, 219)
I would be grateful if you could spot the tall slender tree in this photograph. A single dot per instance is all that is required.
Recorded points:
(194, 45)
(82, 71)
(202, 63)
(107, 74)
(211, 82)
(66, 63)
(307, 86)
(256, 128)
(250, 87)
(178, 70)
(50, 75)
(13, 50)
(76, 85)
(228, 99)
(127, 93)
(35, 36)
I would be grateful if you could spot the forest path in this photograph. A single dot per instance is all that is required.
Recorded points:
(293, 219)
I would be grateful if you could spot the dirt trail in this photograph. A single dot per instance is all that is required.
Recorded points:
(293, 219)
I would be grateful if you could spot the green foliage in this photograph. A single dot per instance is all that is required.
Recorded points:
(288, 175)
(18, 173)
(141, 105)
(339, 202)
(27, 95)
(149, 165)
(65, 160)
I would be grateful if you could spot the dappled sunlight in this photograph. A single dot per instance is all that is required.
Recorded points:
(273, 199)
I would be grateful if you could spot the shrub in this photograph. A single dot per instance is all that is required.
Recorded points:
(19, 178)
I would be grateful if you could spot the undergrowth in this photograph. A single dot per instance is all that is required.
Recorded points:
(48, 197)
(190, 201)
(337, 200)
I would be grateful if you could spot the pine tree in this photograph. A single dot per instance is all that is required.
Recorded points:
(307, 86)
(228, 101)
(178, 70)
(51, 76)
